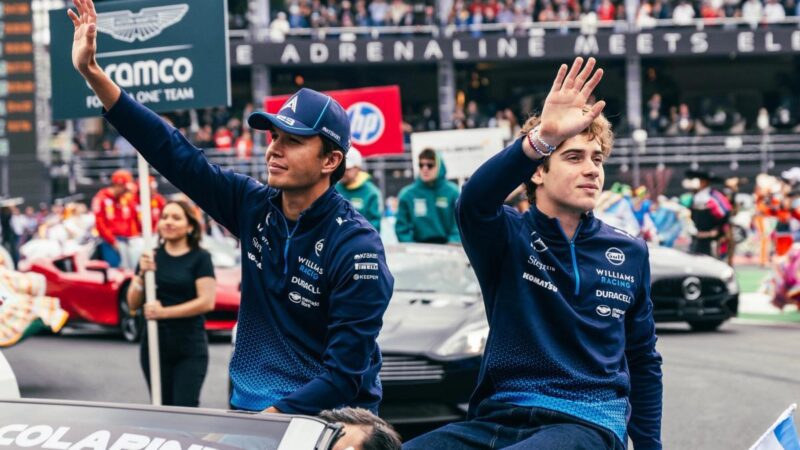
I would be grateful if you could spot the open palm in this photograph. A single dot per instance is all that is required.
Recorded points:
(84, 44)
(565, 113)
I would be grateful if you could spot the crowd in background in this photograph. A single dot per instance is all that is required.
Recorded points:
(468, 13)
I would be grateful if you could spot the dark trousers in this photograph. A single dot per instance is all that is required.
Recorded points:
(502, 426)
(184, 362)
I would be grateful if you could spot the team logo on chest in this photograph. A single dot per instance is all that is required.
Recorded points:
(615, 256)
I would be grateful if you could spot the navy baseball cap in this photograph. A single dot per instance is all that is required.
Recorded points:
(308, 113)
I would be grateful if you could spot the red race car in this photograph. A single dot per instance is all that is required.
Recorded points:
(92, 292)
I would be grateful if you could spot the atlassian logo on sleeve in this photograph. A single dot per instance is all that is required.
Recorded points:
(366, 123)
(615, 256)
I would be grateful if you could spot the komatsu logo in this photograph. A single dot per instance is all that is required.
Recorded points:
(148, 23)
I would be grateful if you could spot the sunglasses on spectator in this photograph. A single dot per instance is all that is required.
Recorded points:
(423, 165)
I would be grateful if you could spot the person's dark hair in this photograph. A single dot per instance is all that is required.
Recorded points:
(191, 217)
(428, 153)
(329, 147)
(381, 435)
(599, 130)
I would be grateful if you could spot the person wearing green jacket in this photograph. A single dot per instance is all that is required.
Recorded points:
(426, 209)
(356, 187)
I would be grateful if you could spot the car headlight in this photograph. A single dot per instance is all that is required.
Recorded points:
(470, 340)
(729, 278)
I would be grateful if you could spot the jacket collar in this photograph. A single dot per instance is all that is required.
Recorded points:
(551, 228)
(314, 215)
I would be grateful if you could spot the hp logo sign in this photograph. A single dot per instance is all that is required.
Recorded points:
(366, 123)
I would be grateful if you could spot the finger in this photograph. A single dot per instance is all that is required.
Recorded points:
(562, 72)
(587, 89)
(573, 72)
(596, 109)
(584, 75)
(79, 6)
(74, 18)
(92, 12)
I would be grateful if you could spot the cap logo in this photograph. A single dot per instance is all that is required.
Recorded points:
(330, 133)
(291, 104)
(283, 118)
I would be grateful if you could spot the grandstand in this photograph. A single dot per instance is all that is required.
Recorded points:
(699, 83)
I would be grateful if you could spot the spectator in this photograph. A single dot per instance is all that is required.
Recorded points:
(378, 12)
(296, 18)
(774, 12)
(547, 14)
(474, 118)
(244, 145)
(645, 19)
(661, 10)
(683, 13)
(655, 120)
(686, 123)
(357, 188)
(279, 28)
(399, 13)
(606, 11)
(114, 208)
(752, 12)
(505, 12)
(203, 137)
(709, 11)
(426, 210)
(362, 17)
(223, 139)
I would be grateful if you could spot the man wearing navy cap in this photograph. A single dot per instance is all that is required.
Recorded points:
(314, 279)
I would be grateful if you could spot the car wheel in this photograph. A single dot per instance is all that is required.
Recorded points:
(130, 325)
(705, 325)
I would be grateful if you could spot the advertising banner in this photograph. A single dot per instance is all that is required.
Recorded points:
(375, 117)
(168, 55)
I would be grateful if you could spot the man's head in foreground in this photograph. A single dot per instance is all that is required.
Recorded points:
(363, 430)
(310, 137)
(571, 179)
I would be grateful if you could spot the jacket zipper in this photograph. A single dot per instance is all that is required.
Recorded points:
(574, 258)
(289, 236)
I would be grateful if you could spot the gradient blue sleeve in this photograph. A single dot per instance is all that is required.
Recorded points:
(644, 364)
(357, 302)
(218, 192)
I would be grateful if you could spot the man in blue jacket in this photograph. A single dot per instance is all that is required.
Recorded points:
(314, 279)
(570, 361)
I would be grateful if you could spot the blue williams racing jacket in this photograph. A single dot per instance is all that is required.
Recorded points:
(571, 324)
(313, 292)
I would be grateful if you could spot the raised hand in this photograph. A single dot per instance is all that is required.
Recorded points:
(565, 113)
(84, 44)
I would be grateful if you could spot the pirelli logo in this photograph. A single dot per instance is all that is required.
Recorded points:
(366, 266)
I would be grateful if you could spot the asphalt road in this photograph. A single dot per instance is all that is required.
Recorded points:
(722, 390)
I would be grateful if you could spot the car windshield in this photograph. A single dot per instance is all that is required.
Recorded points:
(39, 425)
(426, 269)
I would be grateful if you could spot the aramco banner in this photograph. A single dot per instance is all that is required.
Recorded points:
(168, 55)
(375, 117)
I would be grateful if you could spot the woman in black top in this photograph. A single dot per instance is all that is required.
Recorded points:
(185, 290)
